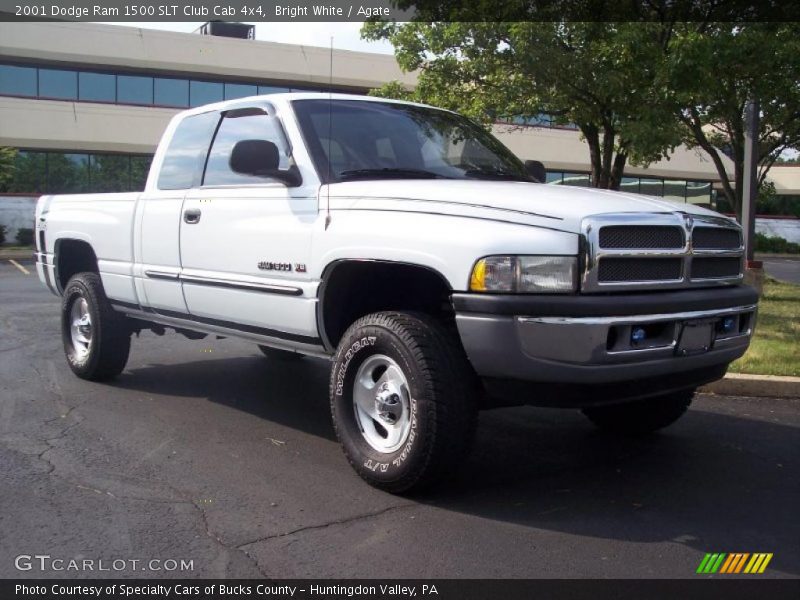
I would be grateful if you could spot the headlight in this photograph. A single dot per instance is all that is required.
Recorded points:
(525, 274)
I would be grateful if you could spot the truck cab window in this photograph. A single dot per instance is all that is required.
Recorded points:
(183, 161)
(235, 129)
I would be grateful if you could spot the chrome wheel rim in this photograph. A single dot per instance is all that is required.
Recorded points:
(81, 328)
(382, 403)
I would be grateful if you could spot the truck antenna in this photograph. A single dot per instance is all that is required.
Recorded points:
(330, 135)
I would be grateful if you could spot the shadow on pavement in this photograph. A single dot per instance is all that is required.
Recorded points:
(718, 481)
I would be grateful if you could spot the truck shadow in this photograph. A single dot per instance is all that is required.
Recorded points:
(718, 480)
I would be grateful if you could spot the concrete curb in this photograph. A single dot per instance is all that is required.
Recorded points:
(763, 257)
(16, 254)
(771, 386)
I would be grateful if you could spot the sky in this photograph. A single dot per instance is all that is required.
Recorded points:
(346, 36)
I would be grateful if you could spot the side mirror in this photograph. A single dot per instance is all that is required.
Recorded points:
(254, 157)
(536, 170)
(262, 159)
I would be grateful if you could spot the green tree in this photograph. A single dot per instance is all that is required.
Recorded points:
(7, 159)
(595, 75)
(712, 71)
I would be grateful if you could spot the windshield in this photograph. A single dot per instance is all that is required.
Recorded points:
(352, 139)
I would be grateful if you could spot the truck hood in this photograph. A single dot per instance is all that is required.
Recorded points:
(553, 206)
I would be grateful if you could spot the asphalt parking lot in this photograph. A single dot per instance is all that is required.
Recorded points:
(785, 269)
(207, 451)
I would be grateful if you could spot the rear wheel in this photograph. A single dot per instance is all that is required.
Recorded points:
(403, 400)
(97, 339)
(284, 355)
(642, 416)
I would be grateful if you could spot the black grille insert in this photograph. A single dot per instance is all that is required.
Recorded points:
(613, 269)
(715, 267)
(714, 238)
(641, 236)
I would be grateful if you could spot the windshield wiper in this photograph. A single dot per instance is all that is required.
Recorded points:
(389, 173)
(495, 173)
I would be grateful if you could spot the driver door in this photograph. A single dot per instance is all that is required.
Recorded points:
(245, 241)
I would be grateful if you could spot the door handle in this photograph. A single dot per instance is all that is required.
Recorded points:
(191, 216)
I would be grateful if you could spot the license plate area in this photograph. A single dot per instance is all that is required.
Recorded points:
(696, 337)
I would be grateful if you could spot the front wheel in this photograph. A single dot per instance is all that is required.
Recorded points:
(97, 339)
(403, 400)
(642, 416)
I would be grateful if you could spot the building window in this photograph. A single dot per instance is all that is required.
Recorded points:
(17, 81)
(239, 90)
(96, 87)
(205, 92)
(271, 89)
(68, 172)
(699, 192)
(55, 83)
(132, 89)
(651, 187)
(124, 88)
(676, 190)
(576, 179)
(171, 92)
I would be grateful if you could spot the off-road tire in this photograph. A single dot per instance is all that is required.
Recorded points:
(642, 416)
(110, 345)
(443, 399)
(282, 355)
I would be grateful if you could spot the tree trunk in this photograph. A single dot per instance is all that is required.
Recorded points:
(618, 170)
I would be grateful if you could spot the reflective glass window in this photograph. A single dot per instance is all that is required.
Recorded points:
(239, 90)
(271, 89)
(205, 92)
(576, 179)
(554, 177)
(675, 190)
(17, 81)
(109, 173)
(30, 173)
(140, 167)
(171, 92)
(97, 87)
(698, 192)
(57, 83)
(651, 187)
(133, 89)
(629, 184)
(67, 173)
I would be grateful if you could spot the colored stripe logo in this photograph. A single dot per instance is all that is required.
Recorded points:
(735, 562)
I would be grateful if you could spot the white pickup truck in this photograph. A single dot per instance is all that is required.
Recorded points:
(417, 254)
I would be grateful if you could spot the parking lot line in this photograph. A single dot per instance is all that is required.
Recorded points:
(19, 266)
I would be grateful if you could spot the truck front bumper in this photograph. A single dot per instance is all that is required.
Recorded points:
(594, 339)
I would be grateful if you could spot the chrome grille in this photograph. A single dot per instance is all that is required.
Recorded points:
(716, 238)
(634, 251)
(713, 267)
(645, 236)
(640, 269)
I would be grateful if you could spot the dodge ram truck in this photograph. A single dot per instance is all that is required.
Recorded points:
(413, 251)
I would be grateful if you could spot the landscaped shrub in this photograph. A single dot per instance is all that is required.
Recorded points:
(775, 244)
(25, 236)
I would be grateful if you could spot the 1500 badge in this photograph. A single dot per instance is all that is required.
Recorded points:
(266, 265)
